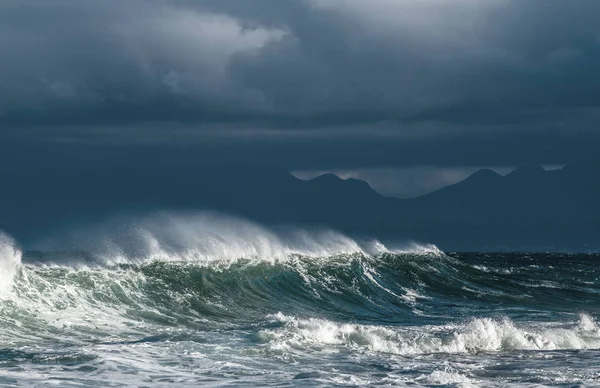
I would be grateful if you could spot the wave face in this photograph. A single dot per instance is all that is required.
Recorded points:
(207, 299)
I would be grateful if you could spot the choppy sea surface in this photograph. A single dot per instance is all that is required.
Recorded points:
(199, 302)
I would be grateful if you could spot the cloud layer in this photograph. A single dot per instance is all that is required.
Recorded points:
(355, 83)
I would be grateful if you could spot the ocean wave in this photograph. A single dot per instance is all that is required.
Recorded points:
(200, 271)
(136, 300)
(203, 295)
(209, 272)
(135, 297)
(211, 263)
(475, 336)
(204, 291)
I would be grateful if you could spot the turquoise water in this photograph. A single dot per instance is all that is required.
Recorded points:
(281, 315)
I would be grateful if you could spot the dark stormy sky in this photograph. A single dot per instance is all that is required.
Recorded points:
(404, 88)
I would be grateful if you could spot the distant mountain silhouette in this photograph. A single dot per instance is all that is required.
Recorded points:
(528, 195)
(528, 208)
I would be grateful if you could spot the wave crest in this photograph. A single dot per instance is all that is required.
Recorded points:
(10, 262)
(209, 238)
(476, 336)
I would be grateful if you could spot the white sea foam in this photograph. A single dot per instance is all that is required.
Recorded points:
(61, 304)
(587, 323)
(448, 377)
(476, 336)
(417, 249)
(10, 262)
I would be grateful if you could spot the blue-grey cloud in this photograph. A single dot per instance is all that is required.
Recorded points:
(353, 83)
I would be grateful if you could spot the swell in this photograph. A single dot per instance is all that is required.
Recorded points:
(168, 301)
(213, 273)
(203, 296)
(394, 288)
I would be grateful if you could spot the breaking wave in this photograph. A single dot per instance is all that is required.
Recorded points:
(473, 337)
(200, 271)
(10, 262)
(169, 273)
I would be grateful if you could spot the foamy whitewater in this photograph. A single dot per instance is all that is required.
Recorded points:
(208, 300)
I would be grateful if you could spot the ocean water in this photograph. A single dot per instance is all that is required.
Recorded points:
(210, 301)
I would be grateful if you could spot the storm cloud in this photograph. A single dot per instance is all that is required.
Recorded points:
(307, 84)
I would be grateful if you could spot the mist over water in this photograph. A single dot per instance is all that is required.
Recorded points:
(201, 238)
(207, 299)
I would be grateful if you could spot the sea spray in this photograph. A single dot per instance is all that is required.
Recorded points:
(208, 238)
(203, 238)
(10, 262)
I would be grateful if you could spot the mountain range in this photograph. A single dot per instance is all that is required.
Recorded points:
(527, 209)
